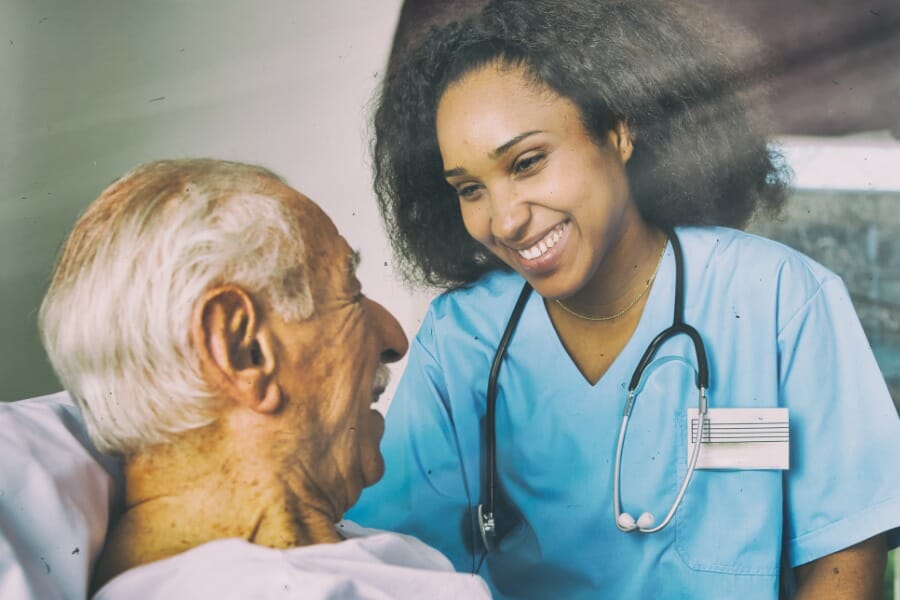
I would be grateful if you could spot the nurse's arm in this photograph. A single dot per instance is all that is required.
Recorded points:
(856, 572)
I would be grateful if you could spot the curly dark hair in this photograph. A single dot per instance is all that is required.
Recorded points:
(700, 155)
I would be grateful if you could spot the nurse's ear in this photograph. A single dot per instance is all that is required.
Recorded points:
(620, 137)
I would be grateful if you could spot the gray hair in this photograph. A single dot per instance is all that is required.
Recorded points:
(116, 318)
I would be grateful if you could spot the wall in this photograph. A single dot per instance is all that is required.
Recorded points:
(92, 88)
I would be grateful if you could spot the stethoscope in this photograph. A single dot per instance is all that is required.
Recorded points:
(624, 521)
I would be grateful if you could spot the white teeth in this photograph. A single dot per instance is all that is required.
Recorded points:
(545, 244)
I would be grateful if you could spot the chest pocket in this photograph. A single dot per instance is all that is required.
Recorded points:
(729, 521)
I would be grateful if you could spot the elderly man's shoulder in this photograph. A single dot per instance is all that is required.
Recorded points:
(367, 564)
(56, 496)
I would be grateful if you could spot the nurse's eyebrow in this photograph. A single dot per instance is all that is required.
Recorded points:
(501, 149)
(496, 153)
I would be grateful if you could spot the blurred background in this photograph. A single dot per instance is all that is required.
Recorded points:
(92, 88)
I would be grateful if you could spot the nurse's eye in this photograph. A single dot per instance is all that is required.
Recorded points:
(469, 192)
(529, 163)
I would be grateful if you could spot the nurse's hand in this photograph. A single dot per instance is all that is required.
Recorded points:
(854, 573)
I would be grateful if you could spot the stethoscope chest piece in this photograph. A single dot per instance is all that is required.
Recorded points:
(487, 528)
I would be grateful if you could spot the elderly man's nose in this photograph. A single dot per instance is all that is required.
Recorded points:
(393, 341)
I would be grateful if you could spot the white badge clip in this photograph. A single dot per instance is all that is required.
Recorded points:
(742, 438)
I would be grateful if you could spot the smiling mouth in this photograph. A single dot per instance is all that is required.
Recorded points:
(540, 247)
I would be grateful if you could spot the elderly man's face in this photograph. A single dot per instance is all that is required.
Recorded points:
(330, 365)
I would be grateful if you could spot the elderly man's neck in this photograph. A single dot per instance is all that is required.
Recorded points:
(201, 489)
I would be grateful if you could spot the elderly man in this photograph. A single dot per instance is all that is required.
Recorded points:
(208, 321)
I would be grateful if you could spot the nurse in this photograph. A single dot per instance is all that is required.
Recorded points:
(571, 146)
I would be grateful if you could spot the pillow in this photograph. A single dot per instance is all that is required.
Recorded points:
(56, 496)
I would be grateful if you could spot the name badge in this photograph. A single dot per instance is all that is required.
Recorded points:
(741, 438)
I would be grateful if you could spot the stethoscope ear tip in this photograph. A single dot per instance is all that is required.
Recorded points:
(645, 521)
(626, 522)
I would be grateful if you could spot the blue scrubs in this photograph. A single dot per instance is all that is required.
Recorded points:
(780, 331)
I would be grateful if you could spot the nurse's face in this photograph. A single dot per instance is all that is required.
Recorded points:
(534, 187)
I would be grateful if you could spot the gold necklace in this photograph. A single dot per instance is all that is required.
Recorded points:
(630, 304)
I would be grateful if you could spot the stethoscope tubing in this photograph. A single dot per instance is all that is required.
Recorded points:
(692, 465)
(486, 520)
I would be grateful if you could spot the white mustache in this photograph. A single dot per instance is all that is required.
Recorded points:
(382, 378)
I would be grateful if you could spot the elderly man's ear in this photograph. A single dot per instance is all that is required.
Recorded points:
(235, 347)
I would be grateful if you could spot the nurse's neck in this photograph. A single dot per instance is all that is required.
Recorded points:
(209, 486)
(625, 271)
(595, 324)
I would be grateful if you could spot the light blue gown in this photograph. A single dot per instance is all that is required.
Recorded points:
(780, 331)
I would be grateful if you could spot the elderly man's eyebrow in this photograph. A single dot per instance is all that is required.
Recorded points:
(353, 260)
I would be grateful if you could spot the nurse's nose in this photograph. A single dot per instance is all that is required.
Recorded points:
(510, 214)
(392, 340)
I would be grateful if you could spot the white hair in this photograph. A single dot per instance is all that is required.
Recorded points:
(116, 318)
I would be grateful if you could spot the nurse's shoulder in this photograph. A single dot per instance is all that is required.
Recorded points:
(723, 258)
(480, 308)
